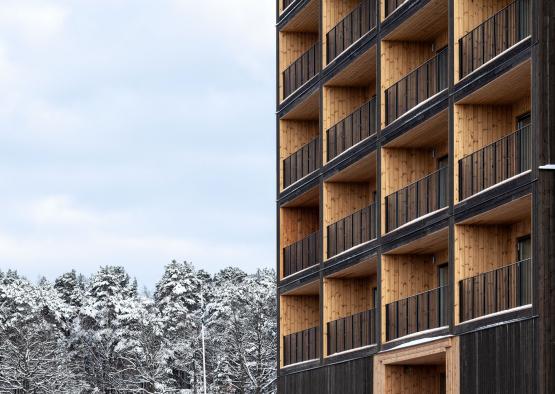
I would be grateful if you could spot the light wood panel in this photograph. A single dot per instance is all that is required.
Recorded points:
(482, 248)
(296, 224)
(332, 12)
(419, 364)
(476, 126)
(308, 109)
(512, 212)
(363, 170)
(297, 313)
(432, 132)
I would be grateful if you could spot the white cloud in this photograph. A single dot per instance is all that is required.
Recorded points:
(36, 22)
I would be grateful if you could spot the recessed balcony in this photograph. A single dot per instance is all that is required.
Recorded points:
(350, 28)
(494, 35)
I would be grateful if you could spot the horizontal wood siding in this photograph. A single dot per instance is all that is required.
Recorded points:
(416, 87)
(301, 163)
(493, 36)
(301, 346)
(501, 359)
(356, 127)
(350, 377)
(352, 332)
(420, 312)
(302, 70)
(352, 230)
(495, 291)
(417, 199)
(303, 254)
(352, 27)
(503, 159)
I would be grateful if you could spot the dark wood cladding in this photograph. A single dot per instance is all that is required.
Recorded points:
(356, 24)
(349, 377)
(495, 291)
(501, 359)
(419, 312)
(301, 163)
(356, 127)
(419, 198)
(392, 5)
(495, 35)
(302, 254)
(302, 70)
(496, 162)
(301, 346)
(417, 86)
(352, 230)
(352, 332)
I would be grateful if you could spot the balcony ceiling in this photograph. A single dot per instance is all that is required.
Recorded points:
(424, 25)
(310, 289)
(360, 72)
(431, 359)
(363, 269)
(510, 213)
(310, 199)
(430, 133)
(308, 109)
(306, 20)
(428, 244)
(510, 87)
(363, 170)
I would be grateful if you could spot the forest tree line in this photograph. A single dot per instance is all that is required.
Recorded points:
(101, 334)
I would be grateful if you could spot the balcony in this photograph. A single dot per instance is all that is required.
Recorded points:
(302, 162)
(424, 311)
(354, 229)
(496, 162)
(417, 199)
(302, 70)
(300, 237)
(303, 254)
(356, 127)
(419, 85)
(496, 290)
(493, 36)
(286, 3)
(352, 332)
(352, 27)
(301, 346)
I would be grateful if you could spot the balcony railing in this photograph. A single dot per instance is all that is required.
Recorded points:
(301, 163)
(287, 3)
(392, 5)
(496, 34)
(357, 126)
(352, 27)
(495, 291)
(302, 70)
(352, 332)
(501, 160)
(417, 199)
(419, 312)
(301, 346)
(416, 87)
(302, 254)
(352, 230)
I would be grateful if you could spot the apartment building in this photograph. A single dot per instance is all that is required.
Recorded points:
(415, 196)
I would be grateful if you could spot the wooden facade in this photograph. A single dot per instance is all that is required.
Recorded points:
(414, 219)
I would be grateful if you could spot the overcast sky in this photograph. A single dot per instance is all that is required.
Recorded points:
(134, 132)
